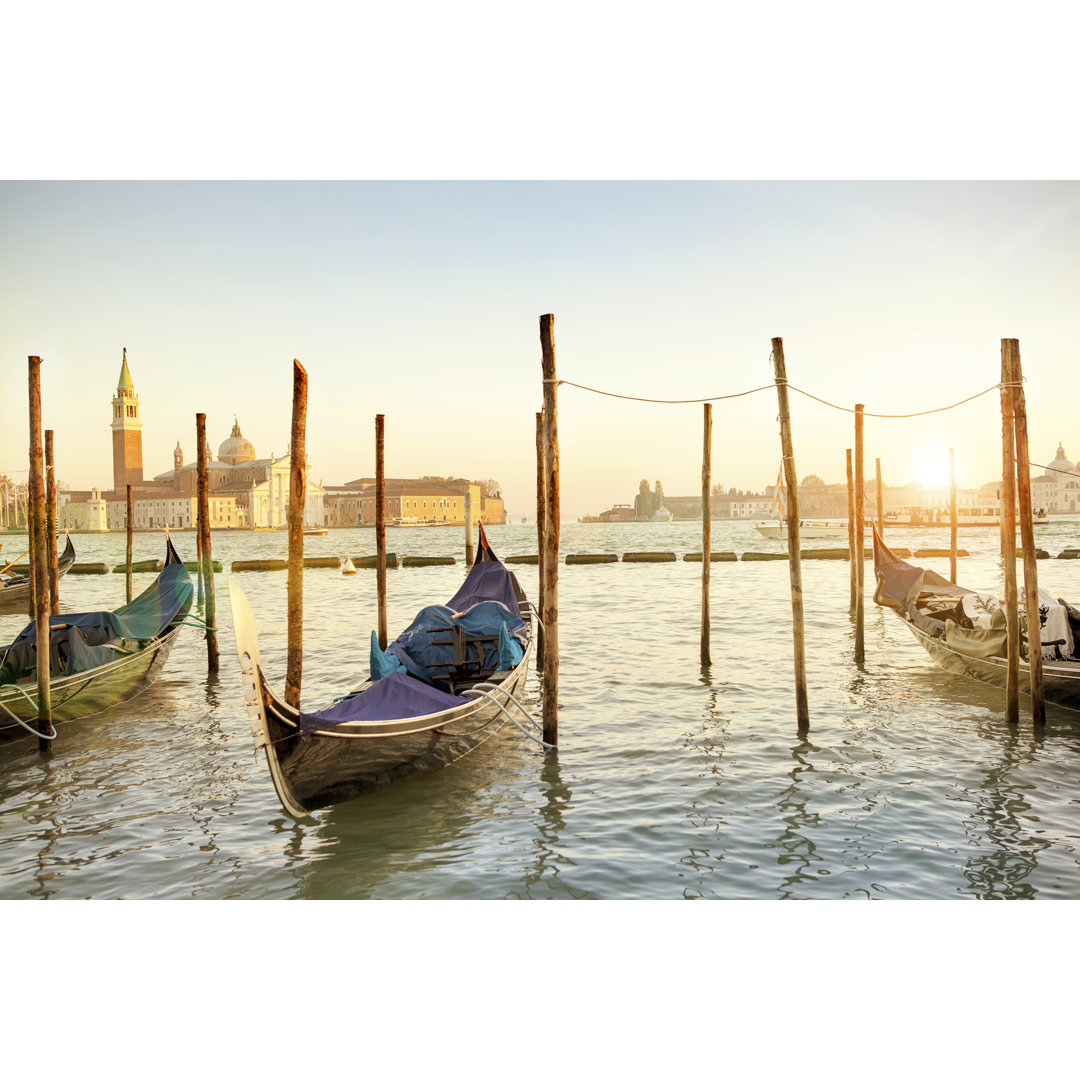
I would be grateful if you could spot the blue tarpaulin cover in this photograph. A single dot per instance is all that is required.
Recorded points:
(485, 606)
(394, 697)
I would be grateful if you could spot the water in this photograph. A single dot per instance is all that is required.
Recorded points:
(670, 781)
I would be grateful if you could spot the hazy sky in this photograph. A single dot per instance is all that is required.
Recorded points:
(420, 300)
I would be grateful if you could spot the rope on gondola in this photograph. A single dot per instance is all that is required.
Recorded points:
(22, 723)
(485, 690)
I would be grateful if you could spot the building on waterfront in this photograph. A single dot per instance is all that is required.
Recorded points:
(412, 502)
(126, 433)
(243, 491)
(1057, 491)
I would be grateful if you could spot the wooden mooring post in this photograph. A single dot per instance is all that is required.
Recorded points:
(469, 553)
(860, 538)
(130, 545)
(206, 562)
(802, 708)
(549, 559)
(50, 525)
(541, 514)
(39, 557)
(851, 534)
(952, 515)
(297, 492)
(1027, 534)
(1008, 546)
(380, 525)
(706, 534)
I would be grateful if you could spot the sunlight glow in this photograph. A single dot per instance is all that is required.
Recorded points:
(930, 465)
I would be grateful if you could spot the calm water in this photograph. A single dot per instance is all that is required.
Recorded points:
(670, 781)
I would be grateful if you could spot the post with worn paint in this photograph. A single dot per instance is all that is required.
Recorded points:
(205, 556)
(1008, 545)
(952, 515)
(469, 554)
(39, 557)
(198, 556)
(130, 545)
(50, 525)
(297, 494)
(550, 561)
(541, 513)
(1027, 535)
(851, 535)
(706, 534)
(802, 708)
(380, 525)
(860, 538)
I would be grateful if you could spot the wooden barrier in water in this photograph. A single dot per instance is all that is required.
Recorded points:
(649, 556)
(39, 557)
(130, 545)
(706, 535)
(297, 497)
(89, 568)
(428, 560)
(802, 708)
(205, 554)
(590, 560)
(1008, 545)
(380, 527)
(552, 522)
(371, 562)
(523, 560)
(714, 556)
(1027, 535)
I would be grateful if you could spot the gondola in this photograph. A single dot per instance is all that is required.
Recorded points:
(964, 631)
(442, 687)
(15, 588)
(97, 658)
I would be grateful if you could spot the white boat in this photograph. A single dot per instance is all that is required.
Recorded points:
(808, 530)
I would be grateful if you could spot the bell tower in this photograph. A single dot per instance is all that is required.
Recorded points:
(127, 433)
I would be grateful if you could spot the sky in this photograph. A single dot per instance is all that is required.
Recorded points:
(421, 300)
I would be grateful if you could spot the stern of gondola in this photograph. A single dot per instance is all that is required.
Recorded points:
(270, 729)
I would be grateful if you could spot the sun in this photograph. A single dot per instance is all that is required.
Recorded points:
(930, 466)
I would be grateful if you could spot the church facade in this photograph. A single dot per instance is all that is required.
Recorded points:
(244, 491)
(1057, 491)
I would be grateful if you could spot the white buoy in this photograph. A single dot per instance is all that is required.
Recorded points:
(347, 567)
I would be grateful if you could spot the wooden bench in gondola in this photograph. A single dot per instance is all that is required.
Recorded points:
(462, 666)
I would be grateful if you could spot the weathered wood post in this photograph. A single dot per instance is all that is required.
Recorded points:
(1027, 536)
(802, 708)
(880, 499)
(205, 556)
(851, 534)
(39, 556)
(130, 544)
(50, 525)
(550, 559)
(380, 524)
(706, 533)
(860, 538)
(541, 543)
(198, 555)
(952, 515)
(297, 495)
(469, 554)
(1008, 544)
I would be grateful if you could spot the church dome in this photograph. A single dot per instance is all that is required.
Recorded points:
(236, 448)
(1060, 463)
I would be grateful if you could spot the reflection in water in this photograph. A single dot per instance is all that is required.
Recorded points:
(1002, 871)
(798, 852)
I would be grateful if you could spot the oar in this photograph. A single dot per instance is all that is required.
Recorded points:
(15, 560)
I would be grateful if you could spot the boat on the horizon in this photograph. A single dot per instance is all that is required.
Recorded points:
(964, 631)
(808, 530)
(439, 690)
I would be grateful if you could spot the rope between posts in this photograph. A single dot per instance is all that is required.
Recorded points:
(805, 393)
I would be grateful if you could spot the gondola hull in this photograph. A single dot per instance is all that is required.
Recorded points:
(1061, 680)
(15, 596)
(76, 697)
(316, 769)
